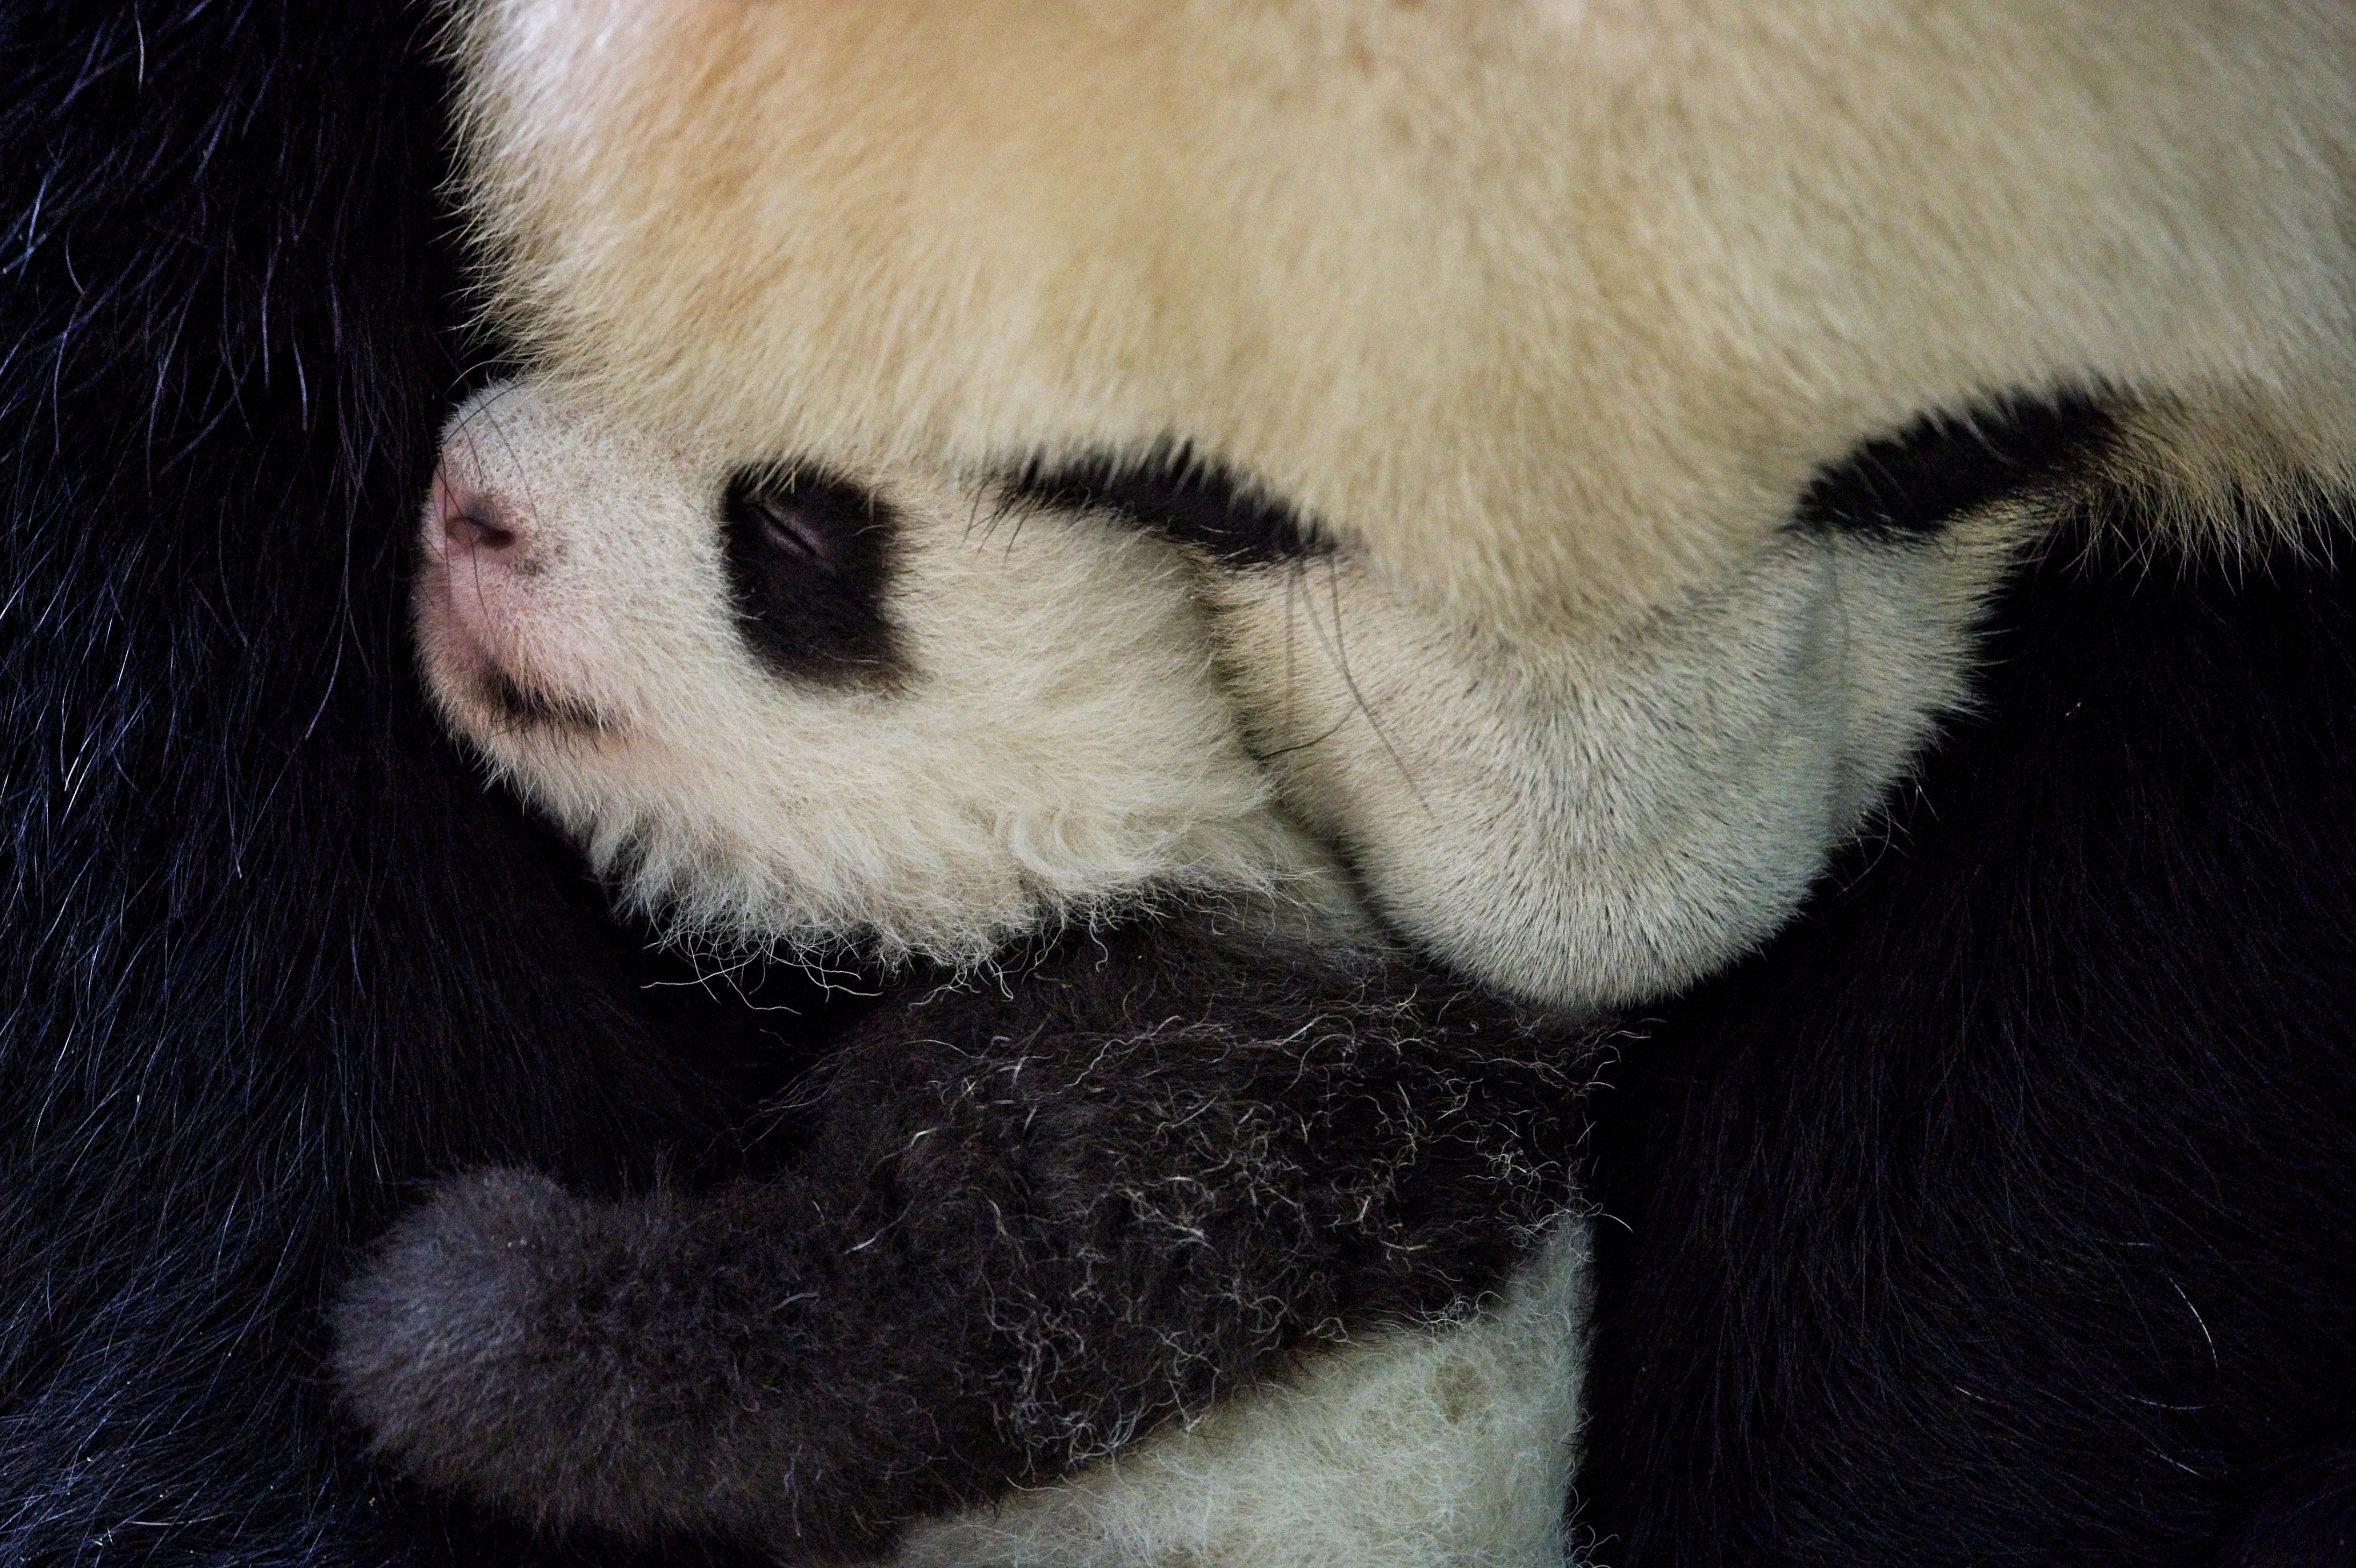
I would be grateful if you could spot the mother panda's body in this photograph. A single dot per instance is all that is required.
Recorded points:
(214, 1164)
(1567, 326)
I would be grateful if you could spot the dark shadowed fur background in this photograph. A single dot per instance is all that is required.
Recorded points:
(2004, 1210)
(1999, 1212)
(271, 955)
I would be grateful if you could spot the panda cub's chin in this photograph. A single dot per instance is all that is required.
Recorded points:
(785, 704)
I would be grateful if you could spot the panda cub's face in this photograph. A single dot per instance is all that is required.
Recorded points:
(791, 705)
(929, 715)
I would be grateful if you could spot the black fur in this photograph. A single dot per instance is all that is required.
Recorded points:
(2077, 1043)
(809, 559)
(1914, 481)
(272, 955)
(528, 707)
(1176, 494)
(2004, 1210)
(2302, 1515)
(1026, 1226)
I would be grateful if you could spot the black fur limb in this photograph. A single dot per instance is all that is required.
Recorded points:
(2003, 1209)
(1025, 1228)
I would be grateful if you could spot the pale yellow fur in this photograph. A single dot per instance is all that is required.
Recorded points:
(1545, 310)
(1448, 1446)
(1551, 306)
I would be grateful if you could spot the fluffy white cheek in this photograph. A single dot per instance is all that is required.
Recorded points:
(1053, 740)
(1417, 1449)
(1594, 823)
(1057, 743)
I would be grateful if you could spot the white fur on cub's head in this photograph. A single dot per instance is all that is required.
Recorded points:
(1051, 742)
(1583, 820)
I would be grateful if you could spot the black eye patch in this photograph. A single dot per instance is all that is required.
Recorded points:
(1176, 495)
(1913, 482)
(810, 560)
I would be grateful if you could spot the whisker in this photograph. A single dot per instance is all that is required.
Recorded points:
(1339, 650)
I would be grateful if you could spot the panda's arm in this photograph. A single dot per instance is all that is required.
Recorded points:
(1025, 1229)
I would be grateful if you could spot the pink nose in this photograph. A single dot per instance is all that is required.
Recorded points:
(472, 524)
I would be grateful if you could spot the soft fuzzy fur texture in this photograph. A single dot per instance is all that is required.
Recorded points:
(1546, 305)
(1597, 821)
(1049, 741)
(1551, 318)
(276, 957)
(271, 955)
(839, 711)
(1025, 1227)
(1074, 706)
(1448, 1446)
(1999, 1212)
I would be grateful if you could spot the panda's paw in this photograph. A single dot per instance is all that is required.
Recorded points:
(467, 1346)
(707, 1364)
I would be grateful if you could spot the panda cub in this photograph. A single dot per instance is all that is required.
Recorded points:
(1167, 1213)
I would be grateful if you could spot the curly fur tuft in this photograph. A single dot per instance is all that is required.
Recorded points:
(1027, 1228)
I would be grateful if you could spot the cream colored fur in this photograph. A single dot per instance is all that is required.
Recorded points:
(1442, 1448)
(1549, 305)
(1545, 310)
(1598, 820)
(1589, 818)
(1627, 812)
(1060, 745)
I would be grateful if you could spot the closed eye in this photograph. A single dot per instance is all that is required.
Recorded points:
(809, 560)
(789, 531)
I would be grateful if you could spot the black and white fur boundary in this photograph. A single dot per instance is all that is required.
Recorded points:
(1998, 1211)
(1812, 1072)
(1023, 1228)
(193, 1138)
(272, 956)
(1038, 1216)
(1013, 701)
(784, 705)
(1551, 322)
(1545, 317)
